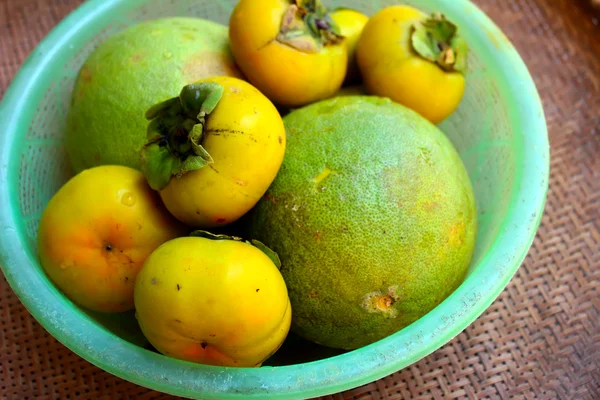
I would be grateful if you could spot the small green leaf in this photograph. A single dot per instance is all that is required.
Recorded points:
(175, 133)
(269, 253)
(200, 99)
(259, 245)
(441, 29)
(195, 140)
(192, 163)
(333, 26)
(436, 39)
(422, 42)
(307, 27)
(196, 134)
(311, 22)
(214, 236)
(461, 49)
(158, 164)
(168, 107)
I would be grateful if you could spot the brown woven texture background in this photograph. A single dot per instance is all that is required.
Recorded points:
(539, 339)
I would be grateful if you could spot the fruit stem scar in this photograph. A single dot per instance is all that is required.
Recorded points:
(380, 302)
(108, 247)
(324, 174)
(385, 302)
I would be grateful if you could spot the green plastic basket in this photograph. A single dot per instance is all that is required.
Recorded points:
(499, 130)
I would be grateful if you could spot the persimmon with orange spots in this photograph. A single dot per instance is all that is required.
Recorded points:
(96, 233)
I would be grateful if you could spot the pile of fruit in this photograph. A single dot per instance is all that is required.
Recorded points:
(283, 173)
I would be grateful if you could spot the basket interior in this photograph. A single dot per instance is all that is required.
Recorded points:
(480, 130)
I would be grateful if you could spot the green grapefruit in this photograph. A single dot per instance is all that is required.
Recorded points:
(373, 215)
(131, 71)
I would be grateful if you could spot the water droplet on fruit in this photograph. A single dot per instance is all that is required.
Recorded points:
(128, 199)
(167, 55)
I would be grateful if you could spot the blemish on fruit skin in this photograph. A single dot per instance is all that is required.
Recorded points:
(66, 264)
(86, 75)
(220, 220)
(385, 302)
(270, 197)
(324, 174)
(136, 58)
(188, 37)
(425, 155)
(430, 205)
(380, 302)
(178, 287)
(153, 281)
(457, 234)
(280, 140)
(241, 182)
(128, 199)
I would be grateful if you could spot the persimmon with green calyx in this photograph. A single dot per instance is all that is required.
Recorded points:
(213, 299)
(96, 232)
(291, 50)
(351, 24)
(415, 59)
(129, 72)
(213, 151)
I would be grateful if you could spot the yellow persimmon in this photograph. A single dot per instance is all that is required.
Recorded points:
(415, 59)
(291, 50)
(213, 151)
(213, 300)
(97, 231)
(351, 24)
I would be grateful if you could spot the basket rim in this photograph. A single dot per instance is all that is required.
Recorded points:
(312, 379)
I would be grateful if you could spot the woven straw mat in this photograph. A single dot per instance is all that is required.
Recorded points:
(539, 339)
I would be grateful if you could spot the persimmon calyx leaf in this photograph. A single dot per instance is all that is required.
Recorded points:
(176, 132)
(307, 26)
(436, 39)
(259, 245)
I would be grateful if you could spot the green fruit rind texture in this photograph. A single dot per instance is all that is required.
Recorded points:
(373, 216)
(128, 73)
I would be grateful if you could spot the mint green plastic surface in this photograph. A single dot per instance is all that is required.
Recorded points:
(499, 130)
